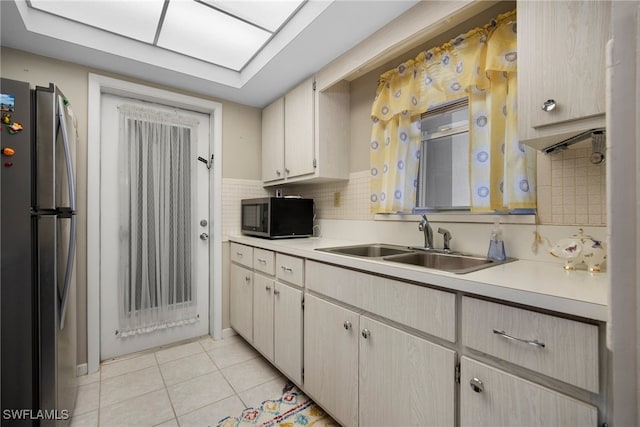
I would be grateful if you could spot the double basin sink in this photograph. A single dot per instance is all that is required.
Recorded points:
(429, 258)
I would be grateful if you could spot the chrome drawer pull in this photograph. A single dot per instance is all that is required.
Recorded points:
(240, 254)
(262, 261)
(534, 343)
(286, 269)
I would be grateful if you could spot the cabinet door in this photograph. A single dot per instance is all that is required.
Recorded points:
(241, 301)
(273, 141)
(331, 358)
(561, 56)
(287, 320)
(490, 397)
(404, 380)
(299, 131)
(263, 314)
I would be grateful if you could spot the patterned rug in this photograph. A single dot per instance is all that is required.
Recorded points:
(293, 408)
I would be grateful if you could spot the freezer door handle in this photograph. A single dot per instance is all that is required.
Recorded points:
(68, 270)
(67, 154)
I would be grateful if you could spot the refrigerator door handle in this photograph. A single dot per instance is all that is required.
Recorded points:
(67, 155)
(69, 270)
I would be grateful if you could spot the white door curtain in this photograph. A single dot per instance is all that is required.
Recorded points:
(156, 286)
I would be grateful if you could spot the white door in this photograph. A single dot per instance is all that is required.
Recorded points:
(112, 341)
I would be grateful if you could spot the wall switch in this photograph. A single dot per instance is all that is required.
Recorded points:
(336, 199)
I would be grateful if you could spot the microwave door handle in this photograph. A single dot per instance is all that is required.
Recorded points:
(67, 155)
(69, 270)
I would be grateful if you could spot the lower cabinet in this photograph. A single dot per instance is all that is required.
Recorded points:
(263, 314)
(490, 397)
(287, 323)
(404, 380)
(277, 324)
(241, 301)
(331, 358)
(400, 379)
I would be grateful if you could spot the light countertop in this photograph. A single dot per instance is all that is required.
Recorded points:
(538, 284)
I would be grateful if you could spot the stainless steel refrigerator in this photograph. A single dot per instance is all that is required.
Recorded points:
(37, 235)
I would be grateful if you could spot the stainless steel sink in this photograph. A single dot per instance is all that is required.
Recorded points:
(428, 258)
(454, 263)
(375, 250)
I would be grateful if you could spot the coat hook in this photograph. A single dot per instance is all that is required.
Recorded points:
(208, 163)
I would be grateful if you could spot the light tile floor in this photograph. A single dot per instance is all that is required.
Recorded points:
(192, 384)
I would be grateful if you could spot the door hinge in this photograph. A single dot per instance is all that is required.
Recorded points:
(302, 304)
(457, 374)
(302, 374)
(315, 163)
(314, 85)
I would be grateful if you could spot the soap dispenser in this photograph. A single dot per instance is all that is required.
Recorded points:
(496, 244)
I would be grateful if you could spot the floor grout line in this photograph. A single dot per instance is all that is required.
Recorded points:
(156, 362)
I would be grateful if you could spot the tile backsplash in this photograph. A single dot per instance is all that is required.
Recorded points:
(571, 190)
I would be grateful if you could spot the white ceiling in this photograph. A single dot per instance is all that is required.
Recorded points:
(247, 51)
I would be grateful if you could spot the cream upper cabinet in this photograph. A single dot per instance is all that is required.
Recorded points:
(305, 135)
(299, 153)
(273, 141)
(561, 60)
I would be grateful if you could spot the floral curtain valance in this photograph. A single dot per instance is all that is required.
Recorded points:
(481, 64)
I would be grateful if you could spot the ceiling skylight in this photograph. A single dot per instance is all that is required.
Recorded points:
(269, 15)
(134, 19)
(228, 33)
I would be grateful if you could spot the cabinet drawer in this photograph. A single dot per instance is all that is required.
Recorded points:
(426, 309)
(264, 261)
(560, 348)
(490, 397)
(290, 269)
(242, 254)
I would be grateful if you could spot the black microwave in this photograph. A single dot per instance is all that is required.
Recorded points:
(277, 217)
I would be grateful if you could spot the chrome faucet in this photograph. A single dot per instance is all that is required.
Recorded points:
(425, 227)
(446, 236)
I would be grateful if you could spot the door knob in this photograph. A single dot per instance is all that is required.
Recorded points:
(204, 236)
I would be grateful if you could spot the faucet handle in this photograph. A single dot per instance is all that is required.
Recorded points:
(446, 235)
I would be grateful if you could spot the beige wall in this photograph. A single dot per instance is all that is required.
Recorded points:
(241, 142)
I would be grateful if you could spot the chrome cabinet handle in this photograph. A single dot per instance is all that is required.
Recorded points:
(278, 172)
(534, 343)
(276, 292)
(347, 325)
(247, 279)
(366, 333)
(549, 105)
(262, 261)
(286, 171)
(286, 269)
(240, 254)
(476, 385)
(267, 288)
